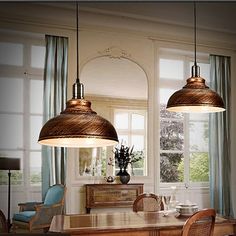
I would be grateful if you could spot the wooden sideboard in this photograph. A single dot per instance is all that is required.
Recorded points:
(130, 223)
(111, 195)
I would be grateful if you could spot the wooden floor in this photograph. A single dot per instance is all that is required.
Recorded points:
(24, 231)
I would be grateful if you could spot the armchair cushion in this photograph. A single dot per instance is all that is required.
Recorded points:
(24, 216)
(54, 195)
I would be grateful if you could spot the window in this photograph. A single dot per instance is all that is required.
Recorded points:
(13, 53)
(183, 137)
(131, 128)
(21, 105)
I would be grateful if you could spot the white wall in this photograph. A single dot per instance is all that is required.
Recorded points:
(140, 40)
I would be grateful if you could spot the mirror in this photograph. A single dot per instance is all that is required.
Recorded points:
(117, 88)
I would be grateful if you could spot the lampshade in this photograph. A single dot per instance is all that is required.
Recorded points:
(78, 125)
(195, 96)
(8, 163)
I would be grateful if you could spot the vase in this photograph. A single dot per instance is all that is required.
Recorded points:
(124, 177)
(119, 172)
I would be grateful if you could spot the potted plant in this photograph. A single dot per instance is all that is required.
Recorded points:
(125, 156)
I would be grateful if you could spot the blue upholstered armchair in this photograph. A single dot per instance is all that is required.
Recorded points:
(38, 215)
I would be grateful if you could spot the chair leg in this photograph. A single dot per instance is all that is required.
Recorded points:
(13, 228)
(45, 230)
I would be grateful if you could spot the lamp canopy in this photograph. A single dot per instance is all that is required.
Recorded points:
(9, 163)
(195, 96)
(78, 125)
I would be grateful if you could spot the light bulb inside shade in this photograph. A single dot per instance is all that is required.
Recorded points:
(195, 109)
(78, 142)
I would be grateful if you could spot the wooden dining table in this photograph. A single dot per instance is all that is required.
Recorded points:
(131, 224)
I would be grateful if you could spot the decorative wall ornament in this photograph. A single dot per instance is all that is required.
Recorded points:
(115, 52)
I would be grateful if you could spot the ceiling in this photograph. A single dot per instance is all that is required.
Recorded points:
(215, 15)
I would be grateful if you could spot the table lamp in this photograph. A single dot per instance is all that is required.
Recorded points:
(8, 163)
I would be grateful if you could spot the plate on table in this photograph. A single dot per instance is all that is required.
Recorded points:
(186, 210)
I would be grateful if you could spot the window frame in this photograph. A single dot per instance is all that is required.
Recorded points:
(27, 73)
(175, 54)
(129, 132)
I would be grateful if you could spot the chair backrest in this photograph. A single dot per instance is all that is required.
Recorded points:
(3, 223)
(55, 195)
(148, 202)
(200, 223)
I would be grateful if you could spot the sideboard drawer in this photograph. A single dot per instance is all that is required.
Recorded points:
(111, 195)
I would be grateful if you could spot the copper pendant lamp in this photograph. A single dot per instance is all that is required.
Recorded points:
(195, 96)
(78, 125)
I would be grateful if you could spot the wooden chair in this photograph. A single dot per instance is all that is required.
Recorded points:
(148, 202)
(3, 223)
(38, 215)
(200, 223)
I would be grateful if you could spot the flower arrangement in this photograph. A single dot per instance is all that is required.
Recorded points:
(124, 156)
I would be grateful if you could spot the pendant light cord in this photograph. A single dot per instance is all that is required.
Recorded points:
(78, 88)
(77, 37)
(195, 35)
(195, 67)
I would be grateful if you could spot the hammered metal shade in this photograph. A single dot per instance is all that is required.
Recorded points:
(78, 126)
(195, 96)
